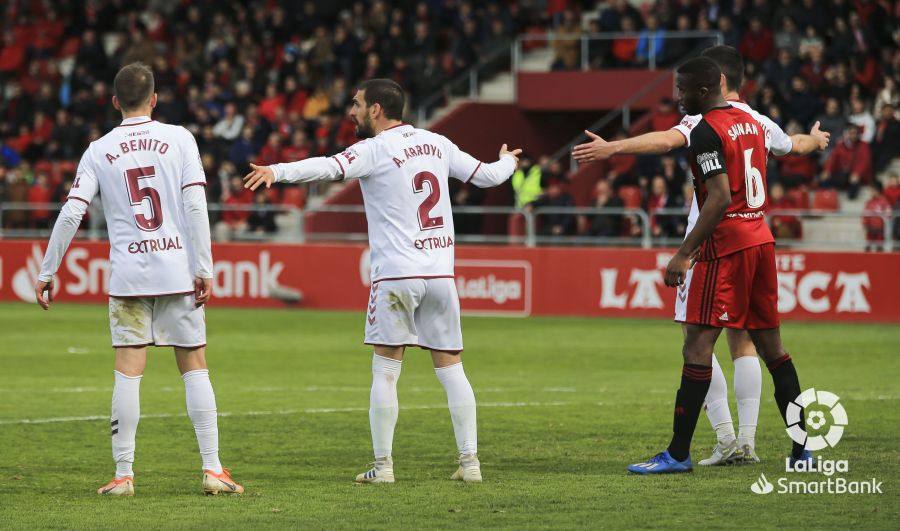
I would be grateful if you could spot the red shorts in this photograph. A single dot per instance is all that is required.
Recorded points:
(739, 290)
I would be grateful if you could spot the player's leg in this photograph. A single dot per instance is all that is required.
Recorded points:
(130, 328)
(438, 322)
(747, 389)
(763, 324)
(178, 323)
(697, 299)
(389, 327)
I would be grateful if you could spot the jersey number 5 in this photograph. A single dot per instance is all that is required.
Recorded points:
(754, 186)
(426, 222)
(136, 195)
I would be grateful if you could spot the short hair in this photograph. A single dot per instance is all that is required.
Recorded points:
(133, 85)
(386, 93)
(731, 63)
(704, 72)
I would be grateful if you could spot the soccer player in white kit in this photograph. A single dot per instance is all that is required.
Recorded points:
(403, 174)
(747, 375)
(152, 185)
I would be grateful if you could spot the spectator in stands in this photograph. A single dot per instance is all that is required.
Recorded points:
(622, 167)
(877, 206)
(863, 119)
(555, 224)
(849, 164)
(231, 124)
(651, 42)
(526, 182)
(795, 170)
(234, 221)
(662, 225)
(39, 192)
(802, 104)
(665, 116)
(624, 49)
(788, 37)
(262, 219)
(886, 146)
(757, 43)
(832, 120)
(605, 225)
(783, 226)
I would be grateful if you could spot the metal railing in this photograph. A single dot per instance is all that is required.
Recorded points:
(585, 39)
(523, 226)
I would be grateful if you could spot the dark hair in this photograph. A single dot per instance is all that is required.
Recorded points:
(133, 85)
(703, 71)
(731, 63)
(386, 93)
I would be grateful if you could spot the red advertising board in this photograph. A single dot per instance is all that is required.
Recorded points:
(513, 281)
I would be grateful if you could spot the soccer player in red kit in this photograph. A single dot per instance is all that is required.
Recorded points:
(733, 282)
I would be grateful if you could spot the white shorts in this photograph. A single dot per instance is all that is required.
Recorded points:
(167, 321)
(415, 312)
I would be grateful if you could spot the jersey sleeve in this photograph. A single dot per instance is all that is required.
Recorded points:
(462, 165)
(686, 125)
(706, 147)
(85, 186)
(778, 142)
(357, 161)
(192, 165)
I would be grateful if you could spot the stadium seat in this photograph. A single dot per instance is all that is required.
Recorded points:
(826, 200)
(294, 196)
(800, 197)
(630, 196)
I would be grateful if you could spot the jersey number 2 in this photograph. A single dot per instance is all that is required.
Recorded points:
(426, 222)
(754, 186)
(136, 195)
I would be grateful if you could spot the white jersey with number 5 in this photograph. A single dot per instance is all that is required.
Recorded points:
(403, 174)
(777, 142)
(140, 169)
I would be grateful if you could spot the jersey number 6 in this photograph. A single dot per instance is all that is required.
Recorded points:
(426, 222)
(753, 182)
(136, 195)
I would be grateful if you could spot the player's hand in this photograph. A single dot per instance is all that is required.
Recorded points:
(821, 137)
(40, 288)
(202, 291)
(259, 175)
(677, 269)
(596, 149)
(515, 153)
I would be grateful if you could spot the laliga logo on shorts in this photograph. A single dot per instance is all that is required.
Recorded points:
(819, 405)
(23, 280)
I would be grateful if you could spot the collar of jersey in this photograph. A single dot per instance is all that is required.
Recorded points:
(398, 126)
(135, 120)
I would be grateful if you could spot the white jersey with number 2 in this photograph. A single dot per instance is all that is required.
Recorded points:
(140, 169)
(777, 142)
(403, 173)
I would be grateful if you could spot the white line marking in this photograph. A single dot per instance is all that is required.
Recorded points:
(308, 411)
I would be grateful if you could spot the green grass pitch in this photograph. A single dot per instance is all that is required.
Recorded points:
(564, 405)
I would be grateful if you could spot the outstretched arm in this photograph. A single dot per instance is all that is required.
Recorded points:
(494, 173)
(816, 140)
(303, 171)
(63, 231)
(654, 143)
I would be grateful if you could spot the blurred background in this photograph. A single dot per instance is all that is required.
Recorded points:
(270, 81)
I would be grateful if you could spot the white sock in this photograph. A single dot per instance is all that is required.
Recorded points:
(461, 401)
(717, 405)
(747, 388)
(383, 405)
(201, 408)
(126, 412)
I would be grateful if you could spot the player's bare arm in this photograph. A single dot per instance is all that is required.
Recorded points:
(202, 291)
(816, 140)
(717, 200)
(653, 143)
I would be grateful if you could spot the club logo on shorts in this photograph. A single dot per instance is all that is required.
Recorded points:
(825, 419)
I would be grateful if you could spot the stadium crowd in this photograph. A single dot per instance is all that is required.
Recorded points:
(270, 81)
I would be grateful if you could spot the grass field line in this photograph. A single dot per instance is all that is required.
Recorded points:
(308, 411)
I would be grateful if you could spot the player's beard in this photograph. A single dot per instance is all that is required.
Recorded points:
(364, 128)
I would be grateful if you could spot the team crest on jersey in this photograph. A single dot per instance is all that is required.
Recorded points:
(708, 162)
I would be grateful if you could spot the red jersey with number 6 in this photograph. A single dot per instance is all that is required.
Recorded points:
(730, 140)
